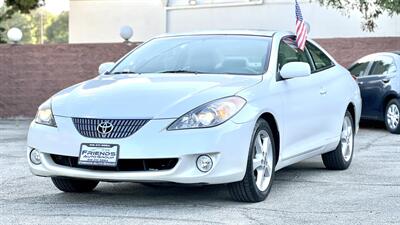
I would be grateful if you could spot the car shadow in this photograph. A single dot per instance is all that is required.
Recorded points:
(372, 124)
(138, 195)
(142, 195)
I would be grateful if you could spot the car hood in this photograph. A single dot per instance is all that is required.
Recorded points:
(146, 96)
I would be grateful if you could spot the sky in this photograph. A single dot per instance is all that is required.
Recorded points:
(53, 6)
(57, 6)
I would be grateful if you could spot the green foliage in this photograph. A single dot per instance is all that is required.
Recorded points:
(55, 26)
(57, 31)
(29, 25)
(34, 23)
(12, 7)
(23, 6)
(370, 9)
(21, 21)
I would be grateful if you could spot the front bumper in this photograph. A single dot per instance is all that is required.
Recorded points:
(227, 144)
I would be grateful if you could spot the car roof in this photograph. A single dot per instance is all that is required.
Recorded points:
(374, 55)
(396, 52)
(268, 33)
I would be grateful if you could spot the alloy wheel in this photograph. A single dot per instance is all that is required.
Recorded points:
(263, 160)
(393, 116)
(347, 139)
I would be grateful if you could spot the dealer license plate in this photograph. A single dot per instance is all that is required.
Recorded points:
(98, 154)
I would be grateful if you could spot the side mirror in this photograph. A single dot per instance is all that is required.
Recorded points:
(295, 69)
(106, 67)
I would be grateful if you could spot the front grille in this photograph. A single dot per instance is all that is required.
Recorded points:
(121, 127)
(122, 165)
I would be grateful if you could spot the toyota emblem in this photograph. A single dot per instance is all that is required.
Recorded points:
(105, 128)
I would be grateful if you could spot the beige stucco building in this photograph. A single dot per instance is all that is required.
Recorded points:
(98, 21)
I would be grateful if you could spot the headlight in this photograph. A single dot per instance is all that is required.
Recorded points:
(45, 115)
(210, 114)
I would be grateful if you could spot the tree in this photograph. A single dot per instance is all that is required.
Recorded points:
(57, 31)
(29, 25)
(12, 7)
(34, 23)
(22, 22)
(55, 26)
(370, 9)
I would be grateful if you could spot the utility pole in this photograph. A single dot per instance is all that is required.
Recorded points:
(41, 4)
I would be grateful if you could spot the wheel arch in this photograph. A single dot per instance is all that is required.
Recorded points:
(275, 129)
(352, 109)
(386, 99)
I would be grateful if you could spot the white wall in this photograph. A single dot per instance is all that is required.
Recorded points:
(100, 20)
(278, 15)
(92, 21)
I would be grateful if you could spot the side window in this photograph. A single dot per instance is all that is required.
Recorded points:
(382, 66)
(288, 52)
(359, 69)
(321, 61)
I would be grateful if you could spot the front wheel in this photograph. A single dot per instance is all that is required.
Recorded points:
(392, 116)
(340, 158)
(74, 185)
(260, 170)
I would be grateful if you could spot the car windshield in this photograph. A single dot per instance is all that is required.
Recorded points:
(211, 54)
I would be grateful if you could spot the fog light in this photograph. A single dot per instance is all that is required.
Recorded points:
(204, 163)
(35, 157)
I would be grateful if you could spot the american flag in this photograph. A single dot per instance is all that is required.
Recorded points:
(301, 30)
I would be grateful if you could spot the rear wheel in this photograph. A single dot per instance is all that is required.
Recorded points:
(340, 158)
(392, 116)
(74, 185)
(260, 171)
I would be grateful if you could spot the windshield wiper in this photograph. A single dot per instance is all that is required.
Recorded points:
(181, 71)
(122, 72)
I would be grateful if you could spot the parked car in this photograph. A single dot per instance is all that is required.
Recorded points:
(378, 76)
(202, 108)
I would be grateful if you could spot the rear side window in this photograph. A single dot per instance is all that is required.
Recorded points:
(382, 66)
(359, 69)
(321, 61)
(288, 52)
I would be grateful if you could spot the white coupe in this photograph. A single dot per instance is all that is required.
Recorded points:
(201, 108)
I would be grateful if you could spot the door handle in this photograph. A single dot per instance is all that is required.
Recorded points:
(323, 92)
(360, 82)
(385, 80)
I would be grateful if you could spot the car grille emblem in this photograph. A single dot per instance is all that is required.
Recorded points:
(105, 128)
(100, 128)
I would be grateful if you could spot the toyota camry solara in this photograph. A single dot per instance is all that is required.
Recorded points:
(227, 107)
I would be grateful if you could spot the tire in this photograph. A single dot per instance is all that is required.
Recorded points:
(341, 157)
(159, 184)
(248, 189)
(151, 185)
(74, 185)
(392, 116)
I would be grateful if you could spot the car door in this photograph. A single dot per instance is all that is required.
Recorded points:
(374, 83)
(301, 99)
(359, 70)
(331, 89)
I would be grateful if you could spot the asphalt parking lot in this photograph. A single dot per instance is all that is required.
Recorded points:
(367, 193)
